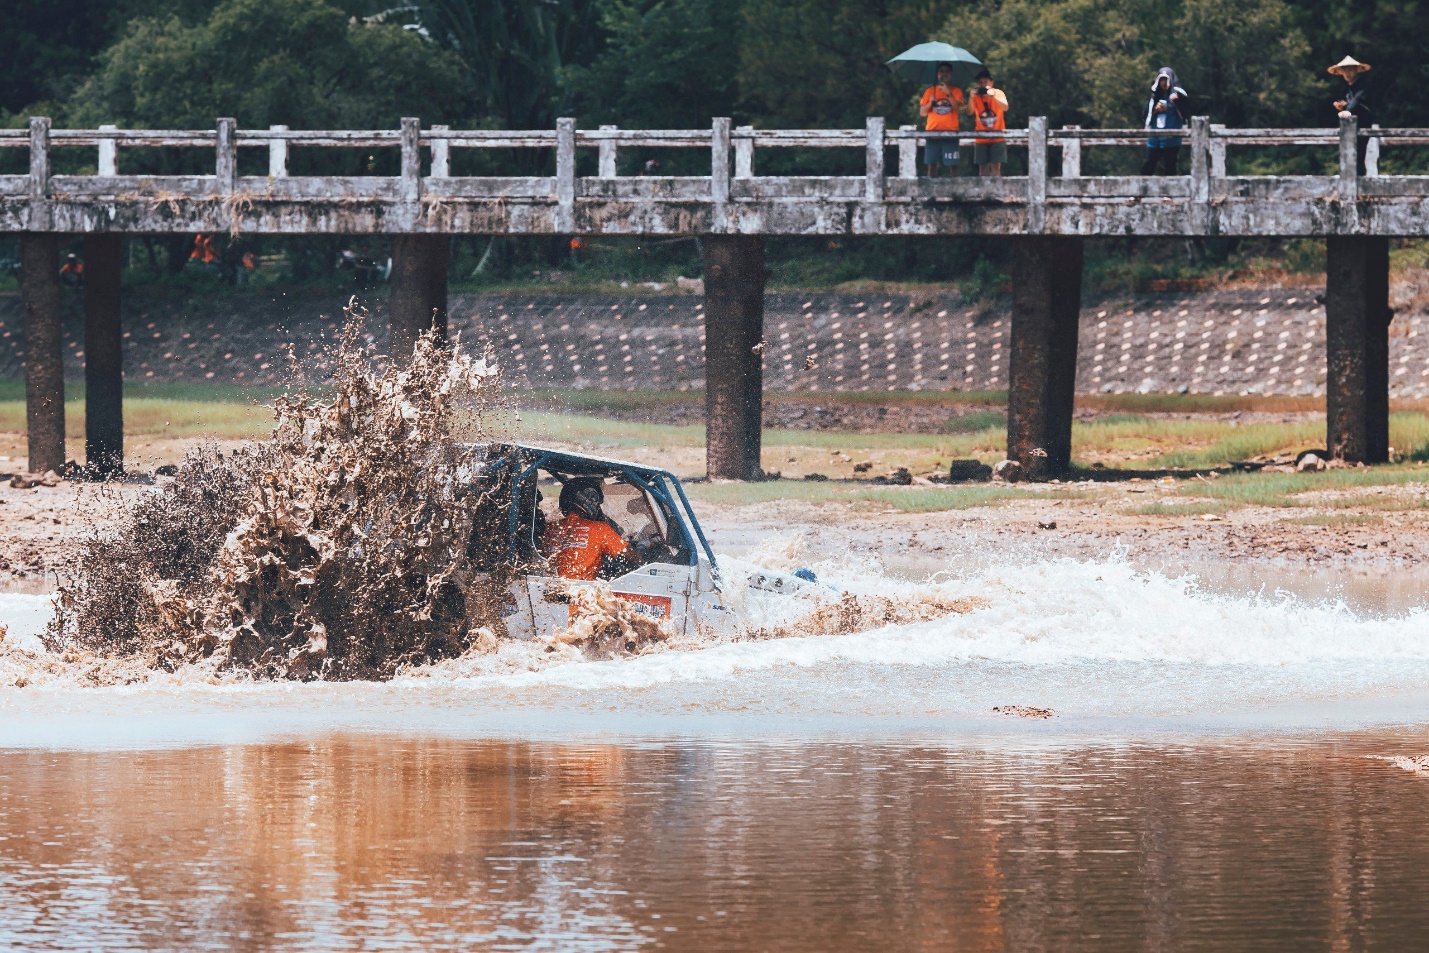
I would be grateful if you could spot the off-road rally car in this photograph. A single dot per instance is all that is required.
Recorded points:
(669, 572)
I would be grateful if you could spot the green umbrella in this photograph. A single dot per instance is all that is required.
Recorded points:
(920, 64)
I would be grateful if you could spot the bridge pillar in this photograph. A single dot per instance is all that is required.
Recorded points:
(734, 363)
(1042, 365)
(1357, 317)
(103, 356)
(418, 290)
(44, 350)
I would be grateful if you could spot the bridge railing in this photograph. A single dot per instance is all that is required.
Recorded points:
(1207, 140)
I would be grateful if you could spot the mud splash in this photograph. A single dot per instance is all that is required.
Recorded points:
(607, 626)
(336, 549)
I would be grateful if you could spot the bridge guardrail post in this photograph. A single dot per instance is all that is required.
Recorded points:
(39, 175)
(608, 150)
(1200, 175)
(873, 159)
(225, 165)
(1072, 156)
(409, 181)
(441, 155)
(278, 154)
(908, 153)
(1349, 186)
(1371, 155)
(1036, 174)
(719, 174)
(744, 152)
(108, 153)
(565, 218)
(1218, 151)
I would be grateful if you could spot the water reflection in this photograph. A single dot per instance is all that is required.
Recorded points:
(381, 843)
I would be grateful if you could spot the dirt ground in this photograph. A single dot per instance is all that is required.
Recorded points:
(41, 528)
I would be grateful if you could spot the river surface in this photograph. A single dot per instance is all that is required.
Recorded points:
(1226, 766)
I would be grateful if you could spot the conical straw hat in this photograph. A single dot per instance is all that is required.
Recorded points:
(1348, 65)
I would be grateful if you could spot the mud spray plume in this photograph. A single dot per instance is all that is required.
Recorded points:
(337, 548)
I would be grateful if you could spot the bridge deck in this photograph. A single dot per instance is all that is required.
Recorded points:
(425, 198)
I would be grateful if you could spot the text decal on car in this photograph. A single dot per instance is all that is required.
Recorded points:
(657, 607)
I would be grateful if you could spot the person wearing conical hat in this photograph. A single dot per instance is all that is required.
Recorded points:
(1354, 100)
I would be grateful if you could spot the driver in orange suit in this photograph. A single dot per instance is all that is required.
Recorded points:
(582, 543)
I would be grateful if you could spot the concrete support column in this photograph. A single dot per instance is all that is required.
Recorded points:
(103, 356)
(44, 350)
(734, 363)
(418, 298)
(1357, 317)
(1042, 365)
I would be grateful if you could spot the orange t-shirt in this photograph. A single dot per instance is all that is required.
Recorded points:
(578, 545)
(989, 109)
(942, 122)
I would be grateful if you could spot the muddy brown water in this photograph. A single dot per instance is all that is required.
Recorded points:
(382, 842)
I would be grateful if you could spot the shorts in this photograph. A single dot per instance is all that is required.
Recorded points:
(941, 152)
(984, 152)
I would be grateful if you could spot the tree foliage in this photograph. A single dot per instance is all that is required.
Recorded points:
(514, 51)
(304, 63)
(1090, 62)
(520, 63)
(46, 49)
(661, 59)
(820, 62)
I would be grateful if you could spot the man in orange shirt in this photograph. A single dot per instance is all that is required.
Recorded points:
(581, 542)
(941, 104)
(989, 108)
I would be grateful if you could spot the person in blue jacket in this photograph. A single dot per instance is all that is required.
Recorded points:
(1166, 110)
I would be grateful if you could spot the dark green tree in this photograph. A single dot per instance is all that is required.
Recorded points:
(513, 51)
(1090, 62)
(664, 63)
(47, 49)
(304, 63)
(1391, 35)
(819, 63)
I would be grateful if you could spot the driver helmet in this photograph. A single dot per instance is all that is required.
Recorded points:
(583, 497)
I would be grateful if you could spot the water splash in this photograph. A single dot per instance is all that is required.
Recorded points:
(335, 549)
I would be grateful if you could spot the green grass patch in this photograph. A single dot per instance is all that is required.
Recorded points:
(1337, 519)
(977, 422)
(903, 499)
(1282, 489)
(635, 400)
(1187, 508)
(575, 428)
(538, 426)
(176, 410)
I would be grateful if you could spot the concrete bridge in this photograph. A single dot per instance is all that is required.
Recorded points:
(1047, 215)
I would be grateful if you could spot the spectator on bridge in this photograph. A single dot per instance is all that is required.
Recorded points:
(1354, 101)
(1165, 110)
(989, 110)
(941, 104)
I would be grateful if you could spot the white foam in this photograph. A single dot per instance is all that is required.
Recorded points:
(25, 616)
(1052, 612)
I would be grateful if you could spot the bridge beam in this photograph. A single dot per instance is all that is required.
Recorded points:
(1357, 316)
(417, 300)
(44, 350)
(103, 356)
(734, 364)
(1042, 365)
